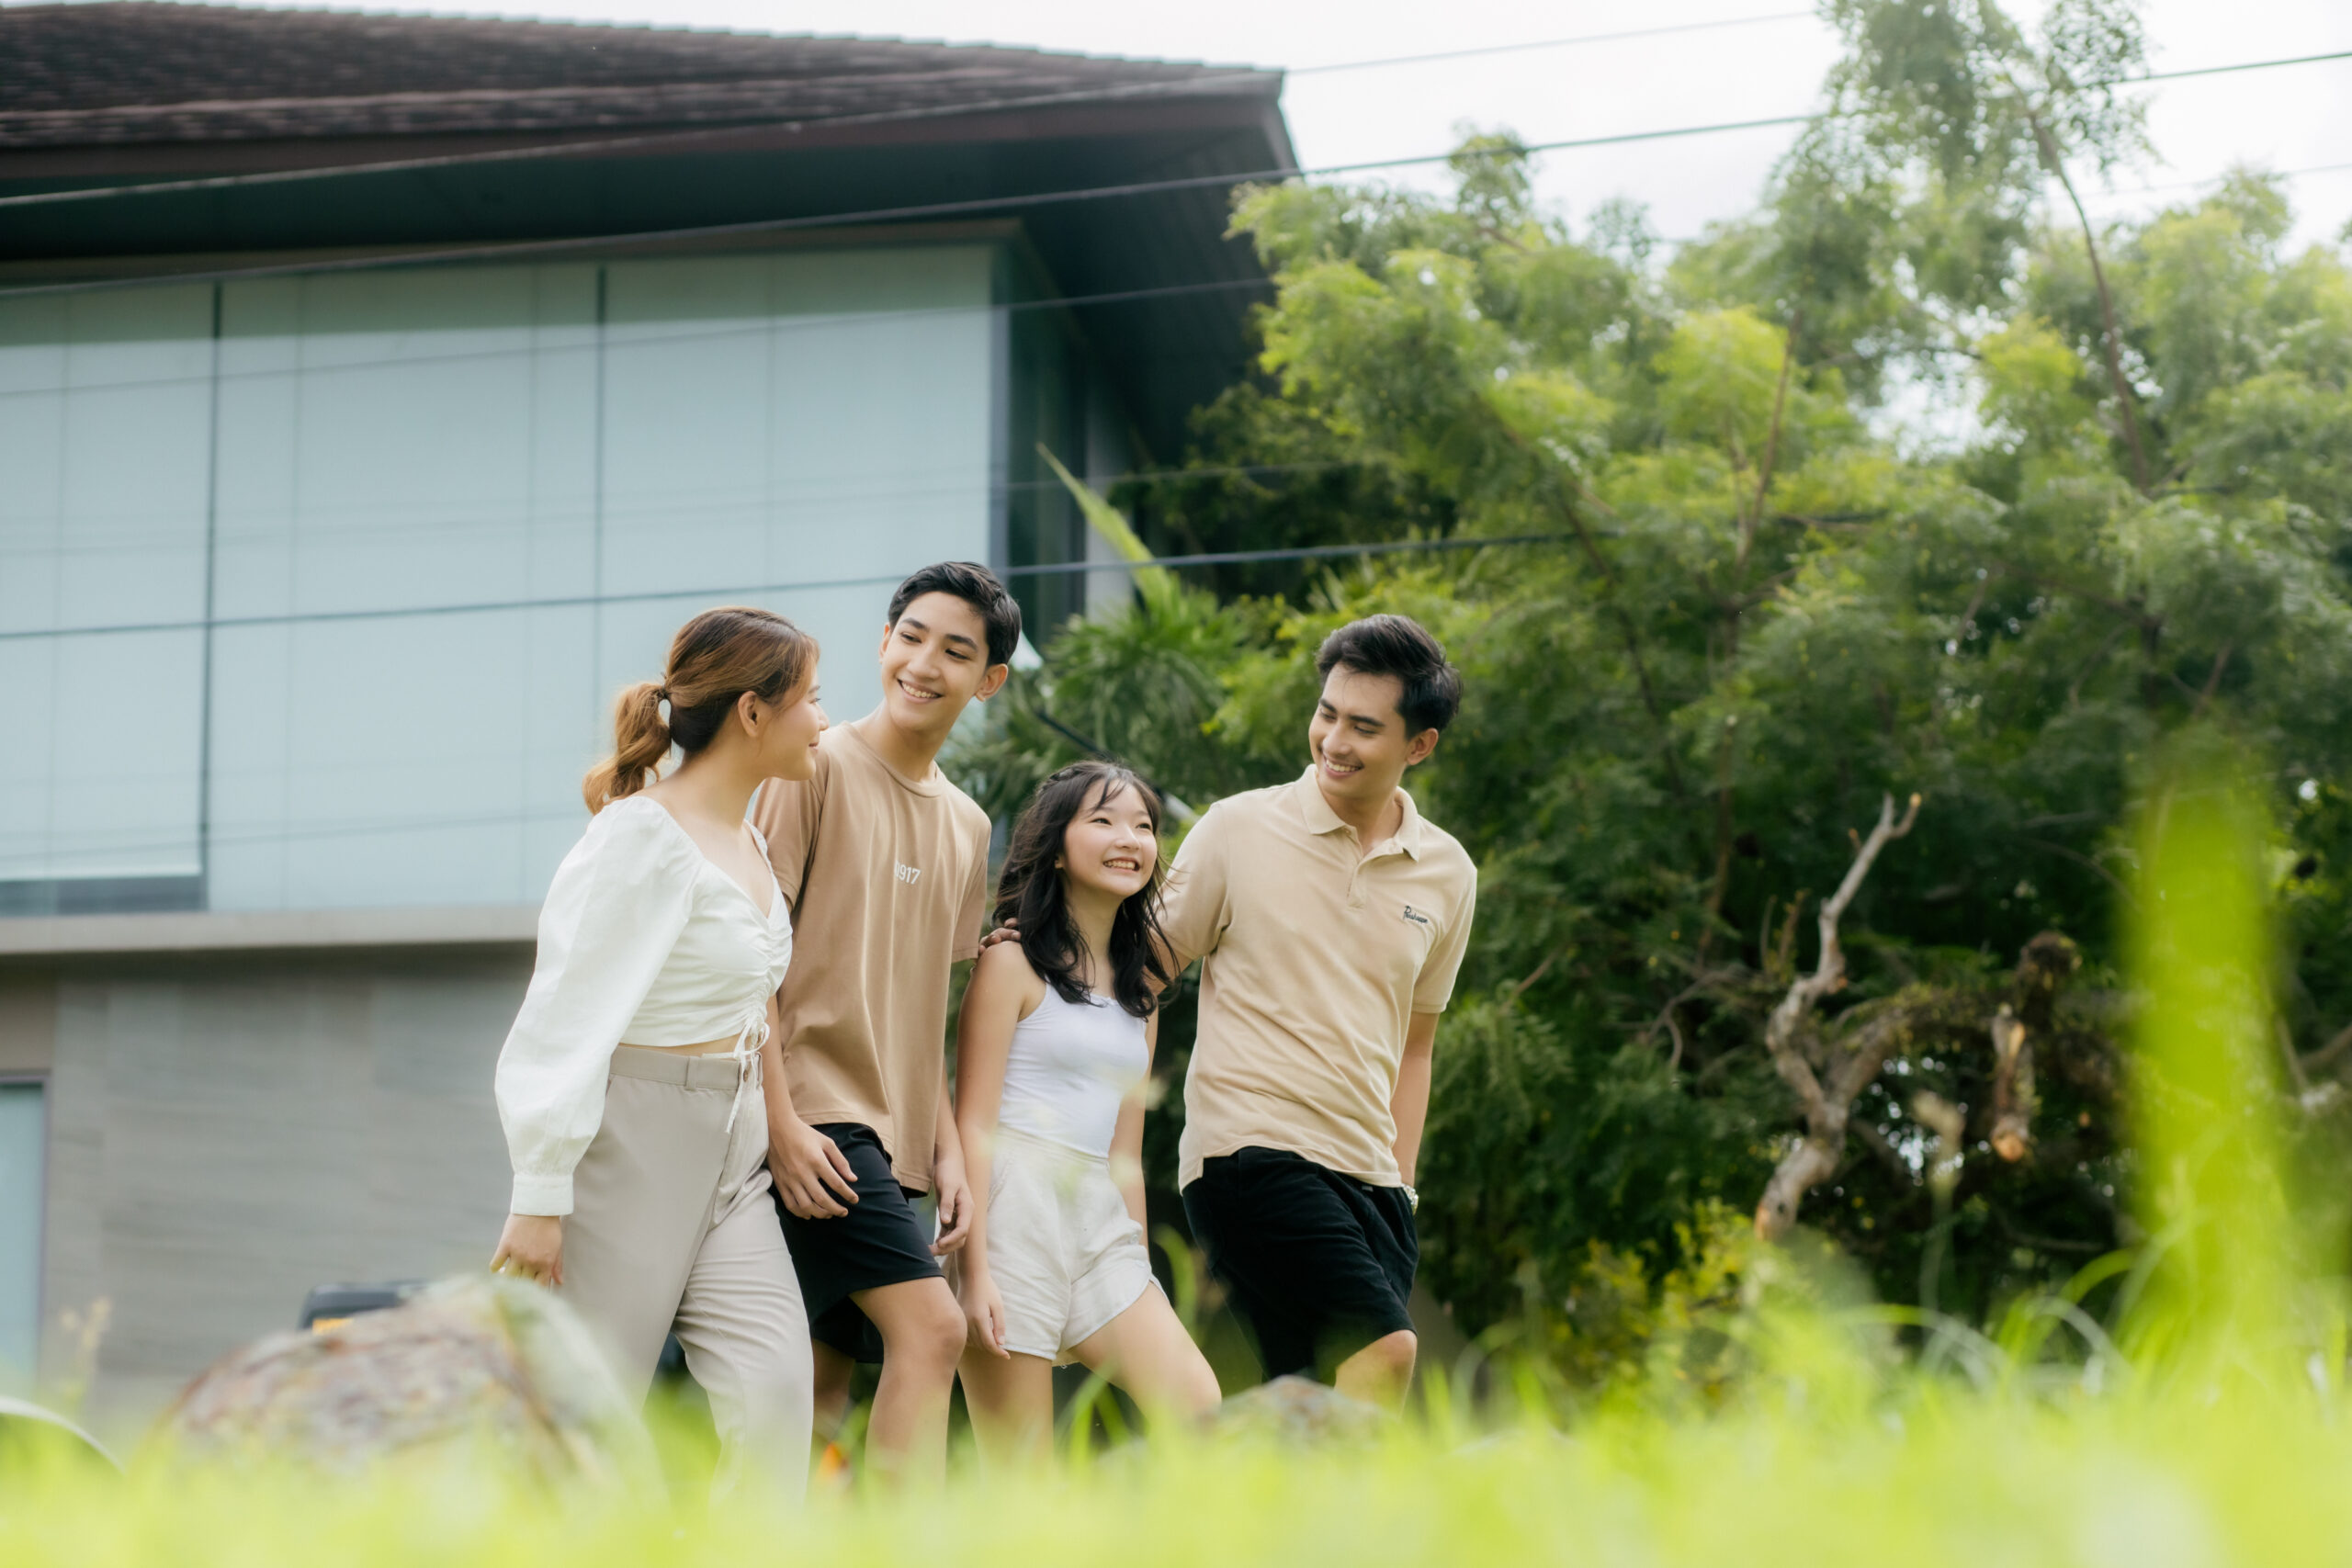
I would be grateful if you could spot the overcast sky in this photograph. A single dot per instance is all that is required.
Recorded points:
(2296, 117)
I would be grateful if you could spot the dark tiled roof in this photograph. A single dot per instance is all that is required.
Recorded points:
(138, 72)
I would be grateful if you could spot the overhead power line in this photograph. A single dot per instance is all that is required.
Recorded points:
(944, 209)
(590, 601)
(1307, 552)
(836, 492)
(1134, 90)
(873, 116)
(118, 843)
(1535, 44)
(2183, 76)
(736, 328)
(2120, 191)
(808, 322)
(500, 251)
(715, 130)
(967, 207)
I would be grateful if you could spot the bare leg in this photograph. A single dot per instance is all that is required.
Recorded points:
(833, 1373)
(1146, 1352)
(1381, 1372)
(1012, 1402)
(923, 1336)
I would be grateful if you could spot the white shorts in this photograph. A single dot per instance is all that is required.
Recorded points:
(1066, 1255)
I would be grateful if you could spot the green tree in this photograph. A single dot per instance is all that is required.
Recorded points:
(1759, 625)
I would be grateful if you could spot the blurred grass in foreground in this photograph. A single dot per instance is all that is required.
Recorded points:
(2180, 1405)
(1946, 1478)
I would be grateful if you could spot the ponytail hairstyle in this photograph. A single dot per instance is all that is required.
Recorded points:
(714, 660)
(1031, 891)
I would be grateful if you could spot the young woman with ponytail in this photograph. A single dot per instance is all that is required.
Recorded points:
(630, 1087)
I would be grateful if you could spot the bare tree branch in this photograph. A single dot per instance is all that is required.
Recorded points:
(2135, 614)
(1875, 1141)
(2079, 859)
(2013, 1096)
(2295, 1073)
(2106, 645)
(1944, 1119)
(2324, 1058)
(1782, 964)
(2113, 336)
(2212, 679)
(1674, 1028)
(1632, 636)
(1771, 447)
(1857, 1059)
(1725, 831)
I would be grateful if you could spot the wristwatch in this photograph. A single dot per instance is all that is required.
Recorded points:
(1412, 1199)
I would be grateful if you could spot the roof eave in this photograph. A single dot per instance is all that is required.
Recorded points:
(1257, 109)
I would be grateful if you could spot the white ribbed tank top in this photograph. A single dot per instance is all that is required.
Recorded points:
(1070, 1068)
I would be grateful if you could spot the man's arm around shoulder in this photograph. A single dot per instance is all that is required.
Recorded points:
(1194, 908)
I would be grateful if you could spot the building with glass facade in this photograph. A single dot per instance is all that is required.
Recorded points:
(334, 509)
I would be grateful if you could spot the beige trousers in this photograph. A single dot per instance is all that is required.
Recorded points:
(673, 1230)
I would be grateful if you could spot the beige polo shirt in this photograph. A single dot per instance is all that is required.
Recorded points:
(886, 881)
(1314, 960)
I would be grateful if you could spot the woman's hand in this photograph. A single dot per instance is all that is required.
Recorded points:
(531, 1246)
(1008, 931)
(955, 1190)
(811, 1171)
(983, 1310)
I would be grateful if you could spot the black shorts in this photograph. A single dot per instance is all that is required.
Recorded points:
(883, 1240)
(1320, 1265)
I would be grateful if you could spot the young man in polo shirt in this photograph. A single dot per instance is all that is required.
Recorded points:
(886, 865)
(1330, 918)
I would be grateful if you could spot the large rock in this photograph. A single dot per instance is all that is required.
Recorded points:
(1297, 1412)
(467, 1365)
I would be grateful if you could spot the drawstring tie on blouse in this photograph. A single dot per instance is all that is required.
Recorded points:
(749, 1041)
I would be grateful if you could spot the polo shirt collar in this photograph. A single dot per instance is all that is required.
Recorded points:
(1320, 819)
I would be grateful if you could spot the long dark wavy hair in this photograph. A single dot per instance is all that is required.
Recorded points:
(1031, 892)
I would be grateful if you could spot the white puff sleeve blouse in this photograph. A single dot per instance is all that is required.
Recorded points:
(641, 939)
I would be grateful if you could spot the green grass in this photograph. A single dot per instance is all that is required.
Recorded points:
(2199, 1417)
(1940, 1476)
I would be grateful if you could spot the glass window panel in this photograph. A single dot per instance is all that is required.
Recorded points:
(401, 760)
(393, 447)
(1043, 524)
(23, 1159)
(1109, 456)
(399, 440)
(819, 417)
(103, 779)
(105, 445)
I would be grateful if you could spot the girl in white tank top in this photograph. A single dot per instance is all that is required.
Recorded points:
(1052, 1053)
(1071, 1068)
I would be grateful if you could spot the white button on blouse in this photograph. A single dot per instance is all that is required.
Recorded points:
(642, 939)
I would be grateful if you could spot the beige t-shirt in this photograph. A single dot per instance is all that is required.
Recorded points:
(887, 881)
(1314, 960)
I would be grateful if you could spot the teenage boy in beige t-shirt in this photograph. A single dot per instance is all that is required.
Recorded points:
(1330, 918)
(886, 865)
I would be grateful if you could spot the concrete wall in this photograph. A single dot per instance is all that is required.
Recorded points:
(227, 1131)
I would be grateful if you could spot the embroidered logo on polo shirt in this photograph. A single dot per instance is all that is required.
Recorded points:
(1417, 917)
(908, 872)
